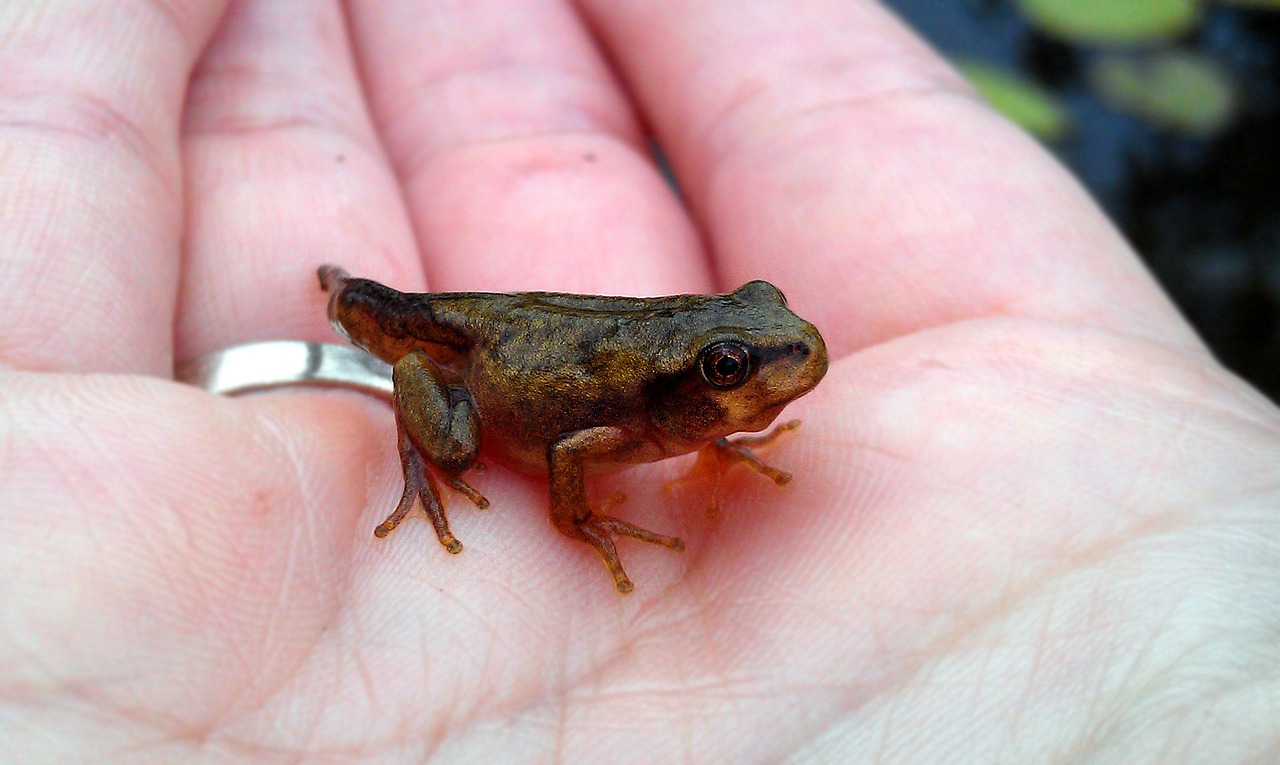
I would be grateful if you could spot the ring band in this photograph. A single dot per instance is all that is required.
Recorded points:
(285, 363)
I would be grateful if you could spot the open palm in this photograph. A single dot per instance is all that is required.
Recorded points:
(1032, 519)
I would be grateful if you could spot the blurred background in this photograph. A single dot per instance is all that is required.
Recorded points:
(1169, 111)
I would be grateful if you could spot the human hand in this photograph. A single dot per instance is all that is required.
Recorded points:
(1032, 519)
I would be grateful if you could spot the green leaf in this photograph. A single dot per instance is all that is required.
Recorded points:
(1187, 92)
(1114, 22)
(1024, 102)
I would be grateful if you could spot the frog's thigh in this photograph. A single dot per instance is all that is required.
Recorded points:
(443, 426)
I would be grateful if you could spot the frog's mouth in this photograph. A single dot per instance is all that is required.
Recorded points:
(766, 413)
(765, 417)
(797, 367)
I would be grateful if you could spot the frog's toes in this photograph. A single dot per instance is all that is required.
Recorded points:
(402, 509)
(468, 491)
(599, 531)
(621, 528)
(421, 485)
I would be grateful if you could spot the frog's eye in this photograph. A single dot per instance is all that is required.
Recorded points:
(725, 365)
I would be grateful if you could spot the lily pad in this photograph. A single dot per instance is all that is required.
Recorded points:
(1115, 22)
(1021, 100)
(1186, 92)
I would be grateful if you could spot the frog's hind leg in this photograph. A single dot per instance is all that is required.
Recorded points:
(438, 432)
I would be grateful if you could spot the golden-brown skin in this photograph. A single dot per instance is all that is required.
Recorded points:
(563, 384)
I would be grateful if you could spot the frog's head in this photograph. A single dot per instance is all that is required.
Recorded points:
(739, 360)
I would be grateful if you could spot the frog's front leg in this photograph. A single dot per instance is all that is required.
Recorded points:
(438, 431)
(569, 509)
(716, 457)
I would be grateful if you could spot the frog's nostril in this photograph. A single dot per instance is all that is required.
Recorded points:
(798, 349)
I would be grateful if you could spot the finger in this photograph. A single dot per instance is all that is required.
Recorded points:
(89, 109)
(284, 173)
(821, 142)
(523, 164)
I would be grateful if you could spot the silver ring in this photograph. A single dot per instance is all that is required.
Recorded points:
(286, 363)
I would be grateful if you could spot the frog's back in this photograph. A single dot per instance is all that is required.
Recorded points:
(447, 325)
(538, 328)
(556, 319)
(542, 341)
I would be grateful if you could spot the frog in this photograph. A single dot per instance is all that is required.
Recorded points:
(564, 386)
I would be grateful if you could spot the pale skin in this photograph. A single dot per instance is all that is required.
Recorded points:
(1031, 519)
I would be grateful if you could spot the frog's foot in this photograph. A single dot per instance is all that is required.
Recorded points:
(420, 483)
(599, 531)
(736, 450)
(468, 491)
(716, 457)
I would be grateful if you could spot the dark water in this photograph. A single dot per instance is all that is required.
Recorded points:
(1204, 213)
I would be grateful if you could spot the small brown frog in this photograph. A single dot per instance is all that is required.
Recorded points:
(563, 384)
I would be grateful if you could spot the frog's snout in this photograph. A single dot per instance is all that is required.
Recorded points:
(809, 353)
